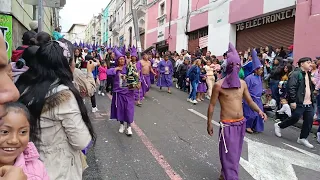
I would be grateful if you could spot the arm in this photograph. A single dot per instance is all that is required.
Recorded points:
(70, 116)
(111, 71)
(213, 101)
(292, 86)
(282, 110)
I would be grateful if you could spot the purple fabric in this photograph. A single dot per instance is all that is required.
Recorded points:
(17, 72)
(133, 52)
(255, 88)
(152, 77)
(122, 105)
(256, 63)
(165, 80)
(232, 79)
(202, 87)
(145, 83)
(138, 94)
(233, 135)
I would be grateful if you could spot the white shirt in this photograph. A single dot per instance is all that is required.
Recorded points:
(285, 110)
(179, 62)
(272, 103)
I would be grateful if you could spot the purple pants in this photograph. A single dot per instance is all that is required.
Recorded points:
(230, 148)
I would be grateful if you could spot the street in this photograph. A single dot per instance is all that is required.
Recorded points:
(170, 141)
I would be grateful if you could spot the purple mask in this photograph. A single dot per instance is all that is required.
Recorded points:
(232, 79)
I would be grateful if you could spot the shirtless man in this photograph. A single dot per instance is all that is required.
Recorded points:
(146, 69)
(230, 91)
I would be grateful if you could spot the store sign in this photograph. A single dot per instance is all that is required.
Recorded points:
(160, 34)
(287, 14)
(6, 29)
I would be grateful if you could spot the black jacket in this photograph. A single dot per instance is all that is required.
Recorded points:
(182, 70)
(296, 87)
(275, 72)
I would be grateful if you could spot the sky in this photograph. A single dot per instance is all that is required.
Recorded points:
(80, 12)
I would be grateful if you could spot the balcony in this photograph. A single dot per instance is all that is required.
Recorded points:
(112, 23)
(140, 5)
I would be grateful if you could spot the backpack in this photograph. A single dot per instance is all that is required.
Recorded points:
(16, 54)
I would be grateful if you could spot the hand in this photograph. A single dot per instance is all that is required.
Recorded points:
(119, 68)
(293, 105)
(316, 92)
(90, 66)
(263, 115)
(11, 172)
(139, 85)
(210, 129)
(187, 79)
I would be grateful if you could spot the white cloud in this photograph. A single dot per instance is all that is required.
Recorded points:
(80, 11)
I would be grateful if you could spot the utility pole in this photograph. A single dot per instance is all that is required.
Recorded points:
(136, 29)
(40, 15)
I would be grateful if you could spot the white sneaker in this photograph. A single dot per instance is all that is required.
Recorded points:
(318, 137)
(99, 92)
(129, 131)
(177, 86)
(208, 97)
(94, 110)
(189, 100)
(194, 101)
(102, 94)
(277, 129)
(305, 142)
(121, 129)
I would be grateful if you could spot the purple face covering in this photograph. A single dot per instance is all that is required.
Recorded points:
(232, 79)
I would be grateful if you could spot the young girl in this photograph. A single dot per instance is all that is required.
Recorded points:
(202, 87)
(285, 111)
(15, 145)
(102, 77)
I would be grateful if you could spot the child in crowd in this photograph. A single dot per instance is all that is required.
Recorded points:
(285, 111)
(271, 104)
(202, 87)
(102, 77)
(15, 145)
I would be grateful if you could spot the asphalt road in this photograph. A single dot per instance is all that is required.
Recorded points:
(170, 142)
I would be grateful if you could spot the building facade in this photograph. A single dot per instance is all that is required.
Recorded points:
(15, 16)
(76, 33)
(104, 26)
(211, 24)
(93, 30)
(121, 25)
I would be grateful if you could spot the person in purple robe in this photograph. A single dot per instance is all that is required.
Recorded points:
(165, 70)
(230, 91)
(122, 105)
(138, 94)
(254, 122)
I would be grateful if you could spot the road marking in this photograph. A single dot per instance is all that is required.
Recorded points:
(273, 163)
(155, 153)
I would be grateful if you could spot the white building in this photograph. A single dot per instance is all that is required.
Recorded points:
(93, 30)
(76, 33)
(121, 28)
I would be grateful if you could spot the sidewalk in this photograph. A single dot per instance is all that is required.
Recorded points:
(314, 129)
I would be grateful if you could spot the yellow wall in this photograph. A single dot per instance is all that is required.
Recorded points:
(24, 13)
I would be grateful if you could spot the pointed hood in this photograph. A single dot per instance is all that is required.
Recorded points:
(232, 79)
(117, 55)
(134, 52)
(123, 50)
(256, 63)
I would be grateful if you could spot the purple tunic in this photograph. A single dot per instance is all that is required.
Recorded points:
(230, 148)
(138, 93)
(202, 86)
(255, 88)
(165, 70)
(122, 105)
(152, 77)
(145, 83)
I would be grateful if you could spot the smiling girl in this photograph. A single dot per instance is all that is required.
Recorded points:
(15, 148)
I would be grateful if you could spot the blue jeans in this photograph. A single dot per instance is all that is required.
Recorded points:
(275, 90)
(193, 93)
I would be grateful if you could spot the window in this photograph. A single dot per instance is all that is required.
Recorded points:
(162, 9)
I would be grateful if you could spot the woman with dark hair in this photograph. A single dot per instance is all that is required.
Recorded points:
(43, 38)
(61, 127)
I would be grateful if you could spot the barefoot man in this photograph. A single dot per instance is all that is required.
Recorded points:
(230, 91)
(145, 78)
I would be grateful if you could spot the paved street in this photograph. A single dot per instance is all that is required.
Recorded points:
(170, 142)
